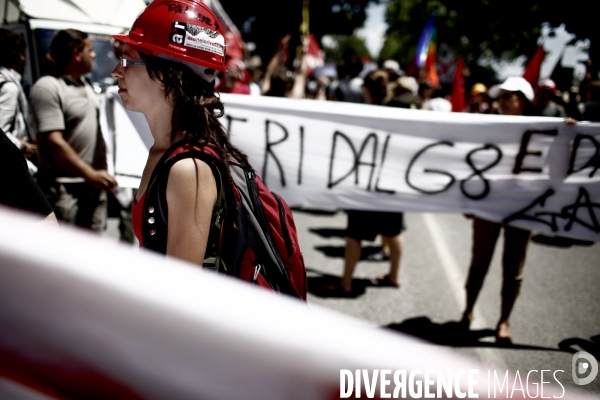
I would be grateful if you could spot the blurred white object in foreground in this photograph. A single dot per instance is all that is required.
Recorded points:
(82, 317)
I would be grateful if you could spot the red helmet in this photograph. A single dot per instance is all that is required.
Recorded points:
(180, 30)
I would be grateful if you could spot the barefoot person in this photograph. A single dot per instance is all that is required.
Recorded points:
(366, 225)
(514, 98)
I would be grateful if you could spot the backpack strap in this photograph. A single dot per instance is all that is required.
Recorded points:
(155, 211)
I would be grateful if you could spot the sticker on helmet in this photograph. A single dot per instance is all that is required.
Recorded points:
(197, 37)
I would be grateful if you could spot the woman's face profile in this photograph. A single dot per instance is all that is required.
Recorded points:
(137, 90)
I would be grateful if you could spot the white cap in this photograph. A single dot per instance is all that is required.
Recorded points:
(547, 84)
(409, 83)
(513, 84)
(391, 65)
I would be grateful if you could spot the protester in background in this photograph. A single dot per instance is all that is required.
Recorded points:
(19, 189)
(256, 71)
(232, 80)
(405, 93)
(479, 100)
(430, 101)
(366, 225)
(316, 88)
(546, 101)
(348, 86)
(278, 80)
(393, 69)
(14, 109)
(590, 108)
(72, 151)
(515, 96)
(175, 93)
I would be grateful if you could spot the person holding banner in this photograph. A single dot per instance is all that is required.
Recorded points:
(173, 87)
(514, 98)
(366, 225)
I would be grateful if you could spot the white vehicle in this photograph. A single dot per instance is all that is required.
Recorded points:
(126, 134)
(38, 20)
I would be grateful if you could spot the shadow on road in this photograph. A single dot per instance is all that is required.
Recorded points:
(592, 346)
(338, 252)
(326, 285)
(329, 232)
(558, 241)
(314, 211)
(452, 334)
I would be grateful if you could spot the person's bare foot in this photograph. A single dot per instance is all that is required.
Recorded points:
(386, 280)
(345, 286)
(465, 322)
(503, 335)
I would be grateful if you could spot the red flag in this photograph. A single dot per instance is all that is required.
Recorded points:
(314, 56)
(532, 71)
(411, 70)
(431, 68)
(458, 88)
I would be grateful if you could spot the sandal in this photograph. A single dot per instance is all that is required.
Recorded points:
(336, 290)
(378, 256)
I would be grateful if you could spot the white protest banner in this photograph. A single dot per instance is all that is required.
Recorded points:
(537, 173)
(533, 172)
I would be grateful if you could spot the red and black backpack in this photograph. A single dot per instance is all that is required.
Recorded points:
(257, 242)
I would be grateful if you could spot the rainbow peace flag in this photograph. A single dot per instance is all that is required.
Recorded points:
(426, 51)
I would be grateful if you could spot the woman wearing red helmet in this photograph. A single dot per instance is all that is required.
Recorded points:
(166, 72)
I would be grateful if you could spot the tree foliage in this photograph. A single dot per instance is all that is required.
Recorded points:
(475, 28)
(345, 44)
(265, 22)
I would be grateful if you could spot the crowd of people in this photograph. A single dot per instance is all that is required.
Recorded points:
(55, 136)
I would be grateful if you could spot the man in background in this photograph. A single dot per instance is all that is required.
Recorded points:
(72, 151)
(14, 109)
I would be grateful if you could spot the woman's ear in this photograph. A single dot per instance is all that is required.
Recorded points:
(161, 78)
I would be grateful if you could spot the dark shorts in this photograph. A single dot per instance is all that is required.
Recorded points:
(366, 225)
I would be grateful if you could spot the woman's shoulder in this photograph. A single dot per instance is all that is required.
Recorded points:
(191, 181)
(191, 168)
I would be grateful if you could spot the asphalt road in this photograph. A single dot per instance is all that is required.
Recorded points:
(556, 315)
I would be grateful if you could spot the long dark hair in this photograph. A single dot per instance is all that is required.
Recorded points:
(63, 46)
(13, 47)
(196, 111)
